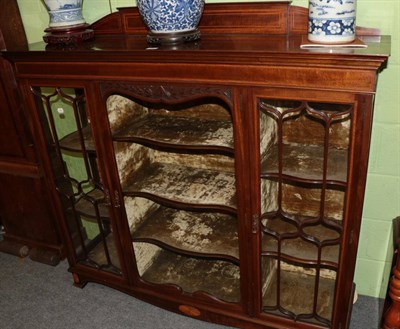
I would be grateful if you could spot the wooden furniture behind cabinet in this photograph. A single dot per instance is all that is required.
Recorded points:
(25, 210)
(391, 309)
(222, 179)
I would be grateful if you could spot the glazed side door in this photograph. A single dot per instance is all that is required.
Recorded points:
(308, 159)
(63, 118)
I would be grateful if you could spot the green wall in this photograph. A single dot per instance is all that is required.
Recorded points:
(382, 202)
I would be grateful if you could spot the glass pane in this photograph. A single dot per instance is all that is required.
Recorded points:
(296, 137)
(177, 173)
(304, 294)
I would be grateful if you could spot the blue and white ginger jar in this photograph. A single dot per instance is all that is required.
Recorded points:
(332, 21)
(171, 16)
(64, 13)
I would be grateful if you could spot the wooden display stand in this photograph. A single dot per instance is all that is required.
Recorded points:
(68, 35)
(221, 179)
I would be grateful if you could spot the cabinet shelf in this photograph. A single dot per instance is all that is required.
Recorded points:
(296, 249)
(199, 188)
(304, 252)
(72, 142)
(205, 234)
(85, 205)
(179, 132)
(305, 162)
(219, 278)
(297, 297)
(97, 256)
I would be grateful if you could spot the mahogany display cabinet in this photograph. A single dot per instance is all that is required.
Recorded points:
(222, 179)
(29, 218)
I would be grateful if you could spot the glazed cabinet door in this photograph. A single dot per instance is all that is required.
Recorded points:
(63, 123)
(175, 158)
(307, 212)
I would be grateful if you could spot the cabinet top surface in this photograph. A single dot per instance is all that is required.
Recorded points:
(212, 48)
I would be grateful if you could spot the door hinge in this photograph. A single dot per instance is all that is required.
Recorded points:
(351, 237)
(255, 222)
(117, 201)
(107, 199)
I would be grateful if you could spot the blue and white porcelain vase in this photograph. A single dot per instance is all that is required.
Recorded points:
(65, 13)
(332, 21)
(166, 18)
